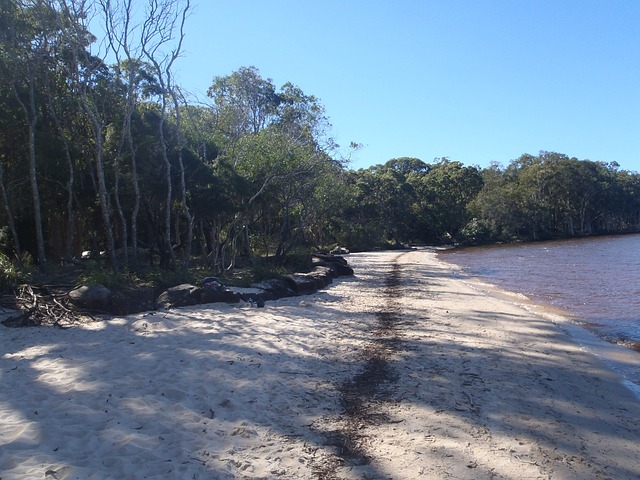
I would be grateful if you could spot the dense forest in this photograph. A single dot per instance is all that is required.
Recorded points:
(101, 151)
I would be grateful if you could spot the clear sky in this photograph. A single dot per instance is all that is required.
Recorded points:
(473, 80)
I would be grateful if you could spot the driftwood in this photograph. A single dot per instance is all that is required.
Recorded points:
(37, 305)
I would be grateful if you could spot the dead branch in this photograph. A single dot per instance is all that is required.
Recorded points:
(37, 305)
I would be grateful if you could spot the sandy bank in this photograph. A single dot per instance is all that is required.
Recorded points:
(403, 371)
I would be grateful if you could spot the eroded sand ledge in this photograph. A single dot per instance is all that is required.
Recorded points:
(400, 372)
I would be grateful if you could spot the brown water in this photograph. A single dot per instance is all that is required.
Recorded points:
(597, 280)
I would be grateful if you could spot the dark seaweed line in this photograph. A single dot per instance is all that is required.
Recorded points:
(363, 397)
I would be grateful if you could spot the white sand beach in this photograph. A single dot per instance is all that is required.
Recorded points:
(403, 371)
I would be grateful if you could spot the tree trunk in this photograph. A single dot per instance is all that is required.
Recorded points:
(183, 188)
(121, 216)
(12, 225)
(159, 26)
(169, 196)
(71, 230)
(103, 194)
(32, 120)
(104, 203)
(35, 195)
(136, 190)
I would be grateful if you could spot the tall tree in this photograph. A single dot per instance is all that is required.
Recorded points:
(244, 103)
(277, 141)
(93, 83)
(28, 44)
(123, 34)
(164, 27)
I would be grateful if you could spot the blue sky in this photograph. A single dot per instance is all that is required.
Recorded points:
(473, 80)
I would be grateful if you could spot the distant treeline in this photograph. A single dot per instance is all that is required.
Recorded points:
(541, 197)
(113, 156)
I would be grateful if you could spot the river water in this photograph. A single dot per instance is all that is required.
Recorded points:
(595, 281)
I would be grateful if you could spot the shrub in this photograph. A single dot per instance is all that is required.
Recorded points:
(11, 275)
(298, 261)
(158, 278)
(107, 277)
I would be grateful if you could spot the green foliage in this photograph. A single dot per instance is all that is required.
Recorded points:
(298, 261)
(258, 167)
(553, 196)
(11, 274)
(474, 232)
(239, 278)
(126, 279)
(162, 279)
(407, 200)
(261, 269)
(5, 240)
(108, 278)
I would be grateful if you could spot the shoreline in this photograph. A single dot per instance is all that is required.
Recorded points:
(584, 276)
(403, 370)
(618, 356)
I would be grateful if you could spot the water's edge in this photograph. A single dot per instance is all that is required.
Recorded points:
(622, 360)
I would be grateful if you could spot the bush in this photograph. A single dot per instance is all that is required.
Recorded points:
(264, 270)
(298, 261)
(260, 270)
(162, 279)
(110, 279)
(127, 279)
(11, 275)
(475, 232)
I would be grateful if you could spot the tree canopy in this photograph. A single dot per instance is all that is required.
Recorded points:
(112, 157)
